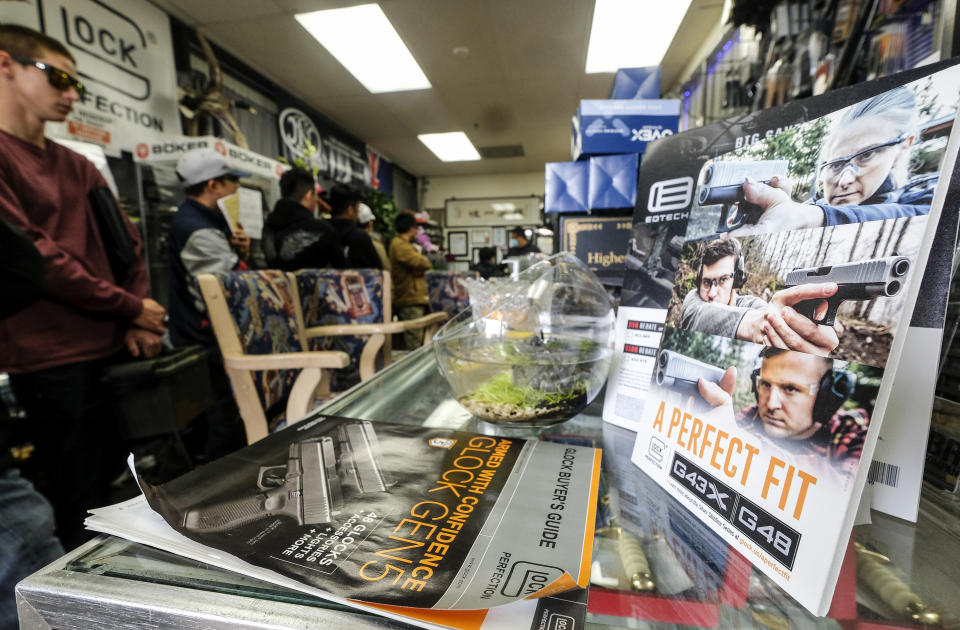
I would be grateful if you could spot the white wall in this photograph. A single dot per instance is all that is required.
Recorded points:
(439, 189)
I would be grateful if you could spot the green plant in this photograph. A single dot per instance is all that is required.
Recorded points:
(304, 161)
(502, 390)
(384, 210)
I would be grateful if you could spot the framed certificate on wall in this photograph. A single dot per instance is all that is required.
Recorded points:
(457, 243)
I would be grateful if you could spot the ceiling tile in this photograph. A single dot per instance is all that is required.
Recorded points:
(421, 111)
(363, 116)
(284, 52)
(537, 39)
(216, 11)
(432, 29)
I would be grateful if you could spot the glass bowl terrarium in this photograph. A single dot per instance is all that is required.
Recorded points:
(535, 356)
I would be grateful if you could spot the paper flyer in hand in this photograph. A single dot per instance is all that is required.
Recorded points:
(395, 515)
(793, 242)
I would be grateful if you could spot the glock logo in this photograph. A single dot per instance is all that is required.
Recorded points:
(670, 194)
(656, 448)
(561, 622)
(527, 578)
(109, 42)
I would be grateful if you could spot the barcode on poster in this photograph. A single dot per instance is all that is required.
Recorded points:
(884, 473)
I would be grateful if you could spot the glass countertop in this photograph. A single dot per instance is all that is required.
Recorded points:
(699, 580)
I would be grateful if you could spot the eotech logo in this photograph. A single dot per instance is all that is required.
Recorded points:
(299, 133)
(670, 194)
(110, 41)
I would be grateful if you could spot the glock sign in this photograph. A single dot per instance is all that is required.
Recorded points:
(109, 46)
(527, 578)
(670, 194)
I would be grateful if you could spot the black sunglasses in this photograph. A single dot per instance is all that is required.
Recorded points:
(58, 78)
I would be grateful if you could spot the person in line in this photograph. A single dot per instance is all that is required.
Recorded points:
(409, 271)
(800, 407)
(365, 220)
(201, 241)
(520, 243)
(864, 172)
(27, 538)
(487, 265)
(293, 237)
(56, 349)
(357, 245)
(715, 307)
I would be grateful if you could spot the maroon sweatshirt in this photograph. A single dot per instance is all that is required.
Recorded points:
(82, 315)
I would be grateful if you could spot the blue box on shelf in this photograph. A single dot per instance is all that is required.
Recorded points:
(566, 187)
(621, 126)
(613, 181)
(633, 83)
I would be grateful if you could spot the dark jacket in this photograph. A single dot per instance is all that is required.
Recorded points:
(887, 203)
(529, 248)
(199, 243)
(295, 239)
(357, 245)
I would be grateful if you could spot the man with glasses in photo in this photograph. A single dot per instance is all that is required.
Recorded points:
(715, 307)
(864, 172)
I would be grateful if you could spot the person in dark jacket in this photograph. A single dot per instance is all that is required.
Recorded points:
(356, 242)
(521, 243)
(487, 266)
(27, 540)
(293, 237)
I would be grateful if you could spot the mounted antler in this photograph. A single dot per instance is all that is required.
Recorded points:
(208, 100)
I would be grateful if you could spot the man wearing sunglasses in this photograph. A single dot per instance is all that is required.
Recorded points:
(715, 307)
(56, 348)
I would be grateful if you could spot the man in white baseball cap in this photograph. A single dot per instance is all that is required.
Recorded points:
(202, 241)
(202, 165)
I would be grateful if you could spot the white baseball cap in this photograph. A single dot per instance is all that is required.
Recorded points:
(365, 214)
(199, 165)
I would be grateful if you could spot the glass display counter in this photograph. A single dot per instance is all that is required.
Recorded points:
(698, 581)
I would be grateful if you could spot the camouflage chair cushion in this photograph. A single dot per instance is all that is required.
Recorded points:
(263, 310)
(447, 294)
(336, 297)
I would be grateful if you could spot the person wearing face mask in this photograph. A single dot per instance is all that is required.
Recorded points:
(293, 237)
(520, 243)
(863, 170)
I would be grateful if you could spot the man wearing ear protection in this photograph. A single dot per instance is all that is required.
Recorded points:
(715, 307)
(800, 399)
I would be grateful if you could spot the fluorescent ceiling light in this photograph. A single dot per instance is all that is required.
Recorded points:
(450, 147)
(365, 42)
(632, 33)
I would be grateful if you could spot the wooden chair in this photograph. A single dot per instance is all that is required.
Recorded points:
(259, 327)
(350, 310)
(447, 292)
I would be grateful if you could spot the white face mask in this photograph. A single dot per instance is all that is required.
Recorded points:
(513, 242)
